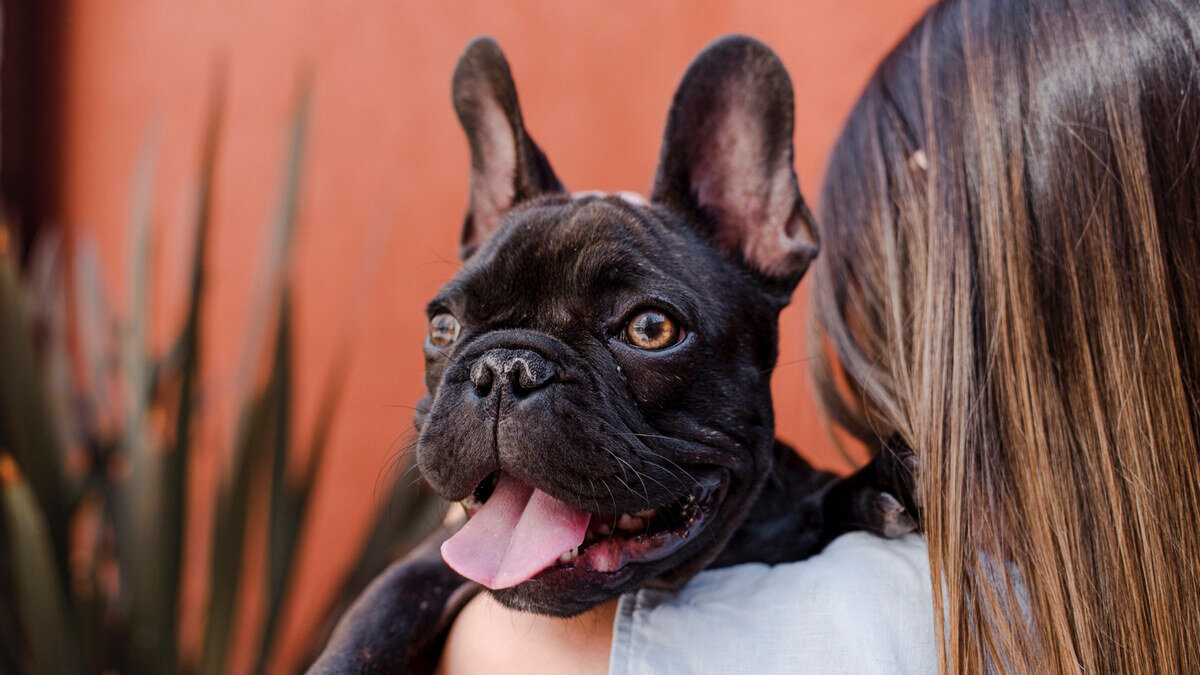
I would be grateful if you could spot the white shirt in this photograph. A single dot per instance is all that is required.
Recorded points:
(863, 605)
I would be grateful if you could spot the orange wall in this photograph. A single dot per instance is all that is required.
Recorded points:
(595, 80)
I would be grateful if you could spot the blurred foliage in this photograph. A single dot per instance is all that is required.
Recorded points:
(96, 435)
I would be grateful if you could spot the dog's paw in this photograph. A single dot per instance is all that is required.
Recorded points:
(883, 514)
(891, 507)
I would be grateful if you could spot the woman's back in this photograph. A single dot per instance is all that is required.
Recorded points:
(1010, 279)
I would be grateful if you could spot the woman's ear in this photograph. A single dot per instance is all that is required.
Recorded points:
(507, 167)
(726, 159)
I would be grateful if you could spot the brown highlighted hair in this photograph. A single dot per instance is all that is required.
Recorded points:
(1009, 283)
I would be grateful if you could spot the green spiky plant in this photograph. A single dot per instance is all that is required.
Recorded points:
(95, 438)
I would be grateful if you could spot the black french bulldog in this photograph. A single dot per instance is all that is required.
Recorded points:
(599, 371)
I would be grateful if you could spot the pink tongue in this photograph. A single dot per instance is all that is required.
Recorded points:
(517, 533)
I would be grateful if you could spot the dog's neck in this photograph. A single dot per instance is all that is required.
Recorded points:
(786, 521)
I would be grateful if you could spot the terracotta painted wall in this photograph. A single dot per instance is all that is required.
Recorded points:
(595, 81)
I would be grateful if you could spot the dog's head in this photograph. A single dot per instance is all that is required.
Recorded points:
(599, 368)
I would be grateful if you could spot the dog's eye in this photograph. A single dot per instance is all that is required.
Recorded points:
(443, 330)
(652, 329)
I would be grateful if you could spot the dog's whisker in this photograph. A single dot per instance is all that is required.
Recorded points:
(441, 258)
(396, 458)
(625, 463)
(642, 447)
(638, 435)
(659, 455)
(610, 494)
(398, 405)
(627, 487)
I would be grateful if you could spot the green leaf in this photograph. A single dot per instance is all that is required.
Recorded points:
(151, 637)
(277, 253)
(88, 595)
(95, 332)
(411, 514)
(41, 603)
(264, 421)
(46, 304)
(9, 651)
(28, 424)
(174, 476)
(262, 431)
(286, 511)
(291, 503)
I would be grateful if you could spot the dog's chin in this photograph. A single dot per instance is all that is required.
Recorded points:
(660, 548)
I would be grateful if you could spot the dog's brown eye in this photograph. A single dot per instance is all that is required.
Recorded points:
(443, 330)
(652, 329)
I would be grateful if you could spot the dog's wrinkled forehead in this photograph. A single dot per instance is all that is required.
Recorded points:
(573, 255)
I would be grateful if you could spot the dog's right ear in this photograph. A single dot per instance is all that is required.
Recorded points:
(507, 167)
(726, 160)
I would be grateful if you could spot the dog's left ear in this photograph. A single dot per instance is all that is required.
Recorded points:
(507, 167)
(726, 160)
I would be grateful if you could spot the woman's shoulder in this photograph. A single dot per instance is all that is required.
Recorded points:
(863, 604)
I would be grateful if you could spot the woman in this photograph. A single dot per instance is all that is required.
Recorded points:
(1010, 279)
(1009, 284)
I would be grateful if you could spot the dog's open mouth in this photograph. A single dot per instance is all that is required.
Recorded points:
(516, 532)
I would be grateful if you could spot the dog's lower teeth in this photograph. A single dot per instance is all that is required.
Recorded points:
(569, 555)
(630, 523)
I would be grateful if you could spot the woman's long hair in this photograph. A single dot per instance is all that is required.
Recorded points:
(1009, 283)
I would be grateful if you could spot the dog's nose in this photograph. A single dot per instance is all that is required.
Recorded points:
(520, 370)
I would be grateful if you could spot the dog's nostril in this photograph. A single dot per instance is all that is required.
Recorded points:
(527, 377)
(482, 376)
(522, 372)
